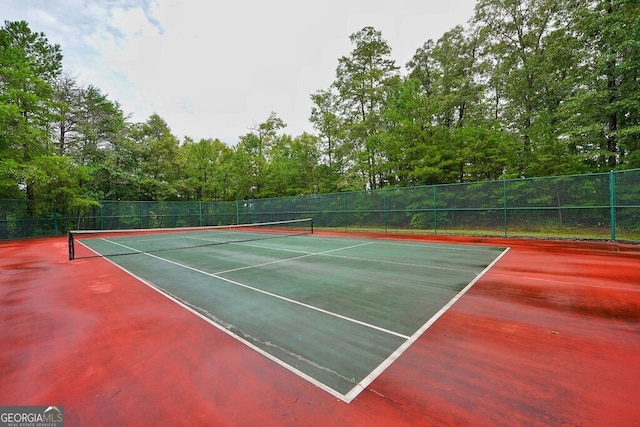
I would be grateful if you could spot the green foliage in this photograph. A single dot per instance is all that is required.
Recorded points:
(489, 152)
(10, 179)
(363, 80)
(57, 179)
(530, 88)
(334, 151)
(293, 166)
(603, 116)
(206, 170)
(418, 151)
(160, 160)
(529, 48)
(28, 66)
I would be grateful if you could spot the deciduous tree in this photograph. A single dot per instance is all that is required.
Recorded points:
(363, 81)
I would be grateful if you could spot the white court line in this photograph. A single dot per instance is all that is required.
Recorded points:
(179, 237)
(384, 365)
(443, 246)
(233, 335)
(306, 255)
(457, 247)
(362, 385)
(406, 264)
(280, 297)
(327, 253)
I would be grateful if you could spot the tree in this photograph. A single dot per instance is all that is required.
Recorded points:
(440, 129)
(529, 46)
(422, 67)
(92, 130)
(160, 161)
(116, 172)
(363, 81)
(419, 152)
(452, 69)
(29, 66)
(58, 181)
(292, 169)
(206, 175)
(99, 121)
(66, 112)
(487, 152)
(325, 119)
(253, 151)
(602, 118)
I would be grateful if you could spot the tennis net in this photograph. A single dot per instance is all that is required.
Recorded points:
(105, 243)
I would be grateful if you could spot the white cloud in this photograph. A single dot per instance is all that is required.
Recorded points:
(215, 69)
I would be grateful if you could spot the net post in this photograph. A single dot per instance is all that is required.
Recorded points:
(71, 247)
(311, 225)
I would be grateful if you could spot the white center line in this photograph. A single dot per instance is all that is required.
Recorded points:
(306, 255)
(330, 254)
(292, 301)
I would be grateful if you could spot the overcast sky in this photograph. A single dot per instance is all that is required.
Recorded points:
(215, 69)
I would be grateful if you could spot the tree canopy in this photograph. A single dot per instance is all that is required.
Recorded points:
(526, 88)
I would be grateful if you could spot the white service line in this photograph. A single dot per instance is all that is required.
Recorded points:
(330, 254)
(192, 309)
(306, 255)
(364, 383)
(233, 282)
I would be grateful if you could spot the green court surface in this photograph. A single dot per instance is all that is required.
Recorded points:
(336, 311)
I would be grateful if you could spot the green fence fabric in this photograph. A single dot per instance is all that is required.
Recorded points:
(603, 206)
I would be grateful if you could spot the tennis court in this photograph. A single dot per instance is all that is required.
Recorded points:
(335, 311)
(281, 327)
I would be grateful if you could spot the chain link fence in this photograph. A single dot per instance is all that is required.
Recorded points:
(603, 206)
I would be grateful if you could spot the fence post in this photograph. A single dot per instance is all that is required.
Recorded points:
(344, 206)
(612, 203)
(384, 207)
(504, 204)
(55, 218)
(435, 211)
(317, 218)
